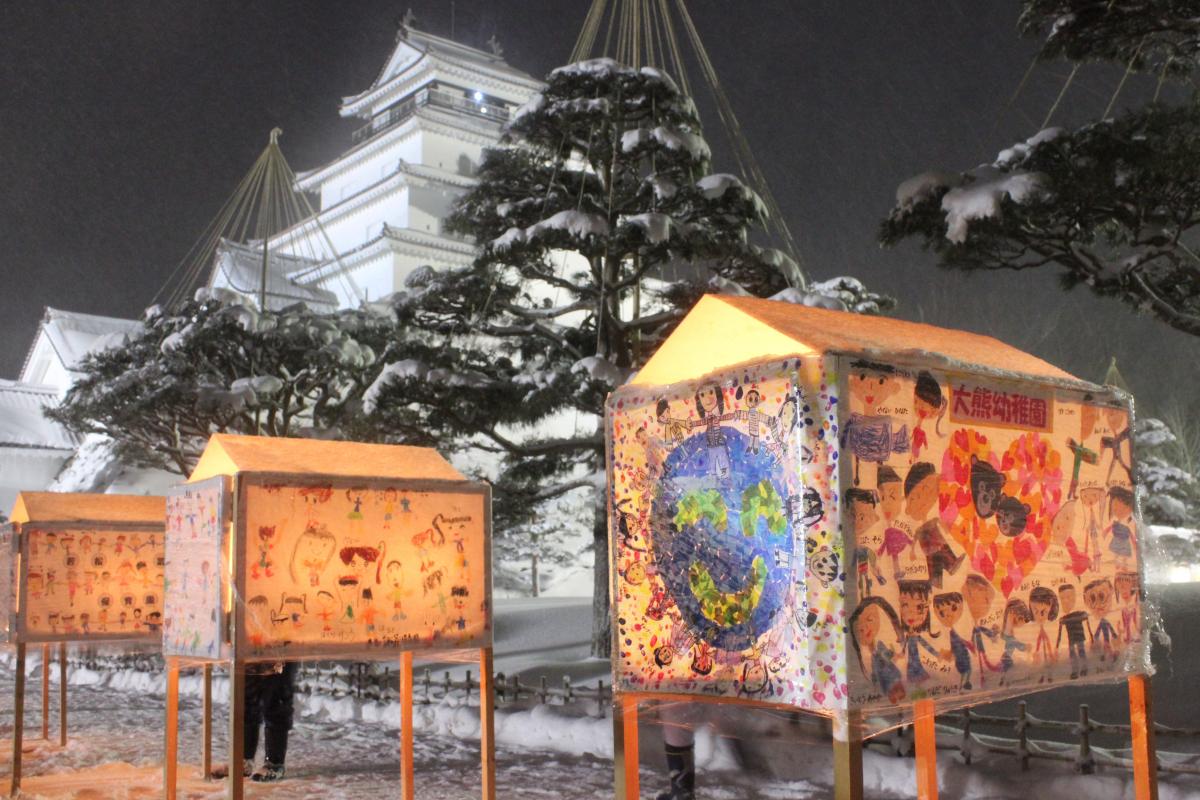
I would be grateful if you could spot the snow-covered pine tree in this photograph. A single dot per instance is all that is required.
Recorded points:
(1115, 204)
(217, 365)
(598, 229)
(1168, 492)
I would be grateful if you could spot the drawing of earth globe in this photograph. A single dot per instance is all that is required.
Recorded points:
(719, 521)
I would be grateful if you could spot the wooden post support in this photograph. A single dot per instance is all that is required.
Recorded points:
(847, 758)
(206, 724)
(235, 788)
(1141, 724)
(487, 723)
(625, 746)
(406, 723)
(18, 721)
(926, 743)
(1084, 763)
(62, 694)
(171, 742)
(46, 692)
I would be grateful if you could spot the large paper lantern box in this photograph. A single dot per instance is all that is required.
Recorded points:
(292, 548)
(82, 568)
(835, 512)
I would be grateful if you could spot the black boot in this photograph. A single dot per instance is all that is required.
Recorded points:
(681, 763)
(269, 773)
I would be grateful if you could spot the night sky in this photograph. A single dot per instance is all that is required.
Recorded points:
(125, 125)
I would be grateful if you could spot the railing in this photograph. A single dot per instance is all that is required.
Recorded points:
(1085, 756)
(372, 681)
(428, 97)
(359, 680)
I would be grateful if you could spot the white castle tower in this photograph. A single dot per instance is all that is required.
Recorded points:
(427, 118)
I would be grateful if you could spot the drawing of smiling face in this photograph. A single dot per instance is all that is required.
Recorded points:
(873, 388)
(714, 540)
(866, 626)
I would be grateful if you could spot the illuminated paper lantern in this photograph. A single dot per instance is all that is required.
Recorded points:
(291, 549)
(84, 568)
(323, 549)
(862, 518)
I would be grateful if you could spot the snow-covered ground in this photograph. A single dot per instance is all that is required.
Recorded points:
(345, 749)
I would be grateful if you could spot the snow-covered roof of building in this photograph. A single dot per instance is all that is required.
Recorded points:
(227, 454)
(22, 423)
(722, 331)
(238, 267)
(69, 336)
(60, 507)
(453, 58)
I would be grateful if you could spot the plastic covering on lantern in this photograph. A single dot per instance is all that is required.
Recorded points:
(843, 515)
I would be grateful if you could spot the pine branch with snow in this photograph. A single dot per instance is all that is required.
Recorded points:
(1114, 205)
(216, 364)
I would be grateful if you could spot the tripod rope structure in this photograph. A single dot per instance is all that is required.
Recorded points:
(645, 33)
(267, 213)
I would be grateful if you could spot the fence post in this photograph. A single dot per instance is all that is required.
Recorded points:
(1084, 763)
(448, 685)
(542, 692)
(1022, 738)
(500, 692)
(964, 748)
(428, 685)
(516, 687)
(600, 697)
(567, 688)
(468, 685)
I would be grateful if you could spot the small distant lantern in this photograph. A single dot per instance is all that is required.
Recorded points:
(65, 556)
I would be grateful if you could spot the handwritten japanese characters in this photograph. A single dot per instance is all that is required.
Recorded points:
(346, 568)
(197, 525)
(998, 548)
(91, 583)
(727, 560)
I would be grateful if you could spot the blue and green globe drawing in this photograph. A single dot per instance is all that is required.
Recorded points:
(721, 537)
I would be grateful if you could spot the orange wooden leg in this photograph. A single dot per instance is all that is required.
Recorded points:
(235, 787)
(14, 785)
(1141, 723)
(487, 723)
(46, 692)
(62, 694)
(926, 736)
(406, 732)
(171, 756)
(625, 746)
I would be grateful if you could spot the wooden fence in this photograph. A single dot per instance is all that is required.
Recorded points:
(956, 730)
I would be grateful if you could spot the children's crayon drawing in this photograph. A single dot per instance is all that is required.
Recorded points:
(998, 548)
(197, 523)
(728, 568)
(84, 583)
(363, 568)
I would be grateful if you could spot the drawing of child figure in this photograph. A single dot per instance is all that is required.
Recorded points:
(1016, 614)
(949, 609)
(1097, 598)
(865, 625)
(1122, 526)
(1074, 623)
(914, 621)
(1043, 602)
(1128, 594)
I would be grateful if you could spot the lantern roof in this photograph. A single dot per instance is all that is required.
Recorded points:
(227, 454)
(724, 331)
(68, 507)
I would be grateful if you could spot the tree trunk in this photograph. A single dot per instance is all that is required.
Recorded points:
(601, 616)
